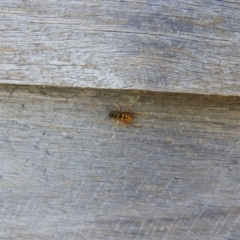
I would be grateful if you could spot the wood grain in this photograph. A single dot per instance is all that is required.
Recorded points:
(168, 46)
(66, 173)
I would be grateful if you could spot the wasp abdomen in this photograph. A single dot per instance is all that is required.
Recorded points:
(124, 117)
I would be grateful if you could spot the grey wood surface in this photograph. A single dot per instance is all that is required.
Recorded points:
(171, 46)
(66, 173)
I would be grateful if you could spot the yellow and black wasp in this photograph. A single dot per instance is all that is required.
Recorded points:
(125, 117)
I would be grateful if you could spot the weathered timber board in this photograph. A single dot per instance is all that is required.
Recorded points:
(170, 46)
(66, 173)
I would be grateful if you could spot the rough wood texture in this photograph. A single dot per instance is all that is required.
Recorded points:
(66, 173)
(174, 46)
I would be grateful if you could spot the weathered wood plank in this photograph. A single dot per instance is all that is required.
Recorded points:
(66, 173)
(172, 46)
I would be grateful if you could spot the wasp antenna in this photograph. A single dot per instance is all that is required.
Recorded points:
(114, 107)
(118, 106)
(111, 107)
(107, 109)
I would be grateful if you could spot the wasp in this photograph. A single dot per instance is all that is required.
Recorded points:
(125, 117)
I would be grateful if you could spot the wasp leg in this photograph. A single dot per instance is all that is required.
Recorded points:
(125, 124)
